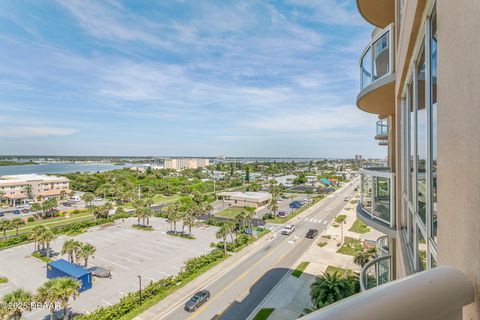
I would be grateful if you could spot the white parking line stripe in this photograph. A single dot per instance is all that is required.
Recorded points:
(171, 240)
(124, 258)
(167, 274)
(319, 220)
(105, 301)
(116, 264)
(150, 251)
(138, 255)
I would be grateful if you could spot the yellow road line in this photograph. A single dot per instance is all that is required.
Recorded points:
(193, 316)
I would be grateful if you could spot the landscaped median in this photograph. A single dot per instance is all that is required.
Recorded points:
(263, 314)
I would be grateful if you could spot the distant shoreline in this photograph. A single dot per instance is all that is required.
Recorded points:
(13, 163)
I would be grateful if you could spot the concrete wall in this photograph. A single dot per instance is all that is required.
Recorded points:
(459, 140)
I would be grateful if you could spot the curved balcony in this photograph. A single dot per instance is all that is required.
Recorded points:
(377, 78)
(436, 294)
(377, 200)
(383, 143)
(376, 273)
(382, 130)
(380, 13)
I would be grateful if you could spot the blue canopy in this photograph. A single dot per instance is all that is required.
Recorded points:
(69, 268)
(325, 181)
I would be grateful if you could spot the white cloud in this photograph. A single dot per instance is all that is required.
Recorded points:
(32, 131)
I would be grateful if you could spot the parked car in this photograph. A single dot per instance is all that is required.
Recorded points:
(197, 300)
(67, 204)
(2, 214)
(288, 229)
(98, 199)
(281, 214)
(311, 234)
(100, 272)
(5, 207)
(25, 211)
(16, 211)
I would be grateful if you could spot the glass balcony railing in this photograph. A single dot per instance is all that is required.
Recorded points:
(377, 271)
(382, 128)
(377, 197)
(377, 58)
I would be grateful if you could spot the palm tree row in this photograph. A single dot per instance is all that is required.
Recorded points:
(244, 218)
(176, 214)
(226, 229)
(55, 293)
(143, 210)
(6, 225)
(77, 251)
(42, 236)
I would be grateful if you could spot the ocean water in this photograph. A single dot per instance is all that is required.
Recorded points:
(59, 168)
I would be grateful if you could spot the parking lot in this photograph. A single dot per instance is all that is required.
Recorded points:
(127, 252)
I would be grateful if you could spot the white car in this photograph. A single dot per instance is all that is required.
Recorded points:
(288, 229)
(5, 207)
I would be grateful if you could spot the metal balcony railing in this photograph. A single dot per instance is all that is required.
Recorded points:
(377, 58)
(436, 294)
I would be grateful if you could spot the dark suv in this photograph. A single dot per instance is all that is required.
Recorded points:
(311, 234)
(197, 300)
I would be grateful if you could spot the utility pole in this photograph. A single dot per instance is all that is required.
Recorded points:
(140, 285)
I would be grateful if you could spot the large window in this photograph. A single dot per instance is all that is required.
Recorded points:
(419, 151)
(382, 198)
(421, 137)
(367, 193)
(433, 85)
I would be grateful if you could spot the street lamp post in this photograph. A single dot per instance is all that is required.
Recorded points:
(140, 286)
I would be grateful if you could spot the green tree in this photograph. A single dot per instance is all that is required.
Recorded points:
(144, 213)
(330, 288)
(5, 225)
(36, 207)
(173, 216)
(222, 233)
(86, 251)
(70, 248)
(362, 257)
(28, 190)
(88, 198)
(17, 223)
(58, 291)
(247, 174)
(35, 235)
(16, 303)
(46, 237)
(189, 220)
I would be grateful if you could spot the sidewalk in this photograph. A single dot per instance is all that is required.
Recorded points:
(291, 296)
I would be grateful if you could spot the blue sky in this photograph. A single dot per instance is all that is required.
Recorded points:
(238, 78)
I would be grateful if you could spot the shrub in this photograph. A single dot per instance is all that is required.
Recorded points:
(3, 280)
(30, 219)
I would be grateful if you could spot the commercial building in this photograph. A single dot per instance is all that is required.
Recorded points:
(185, 163)
(422, 54)
(246, 199)
(286, 180)
(18, 188)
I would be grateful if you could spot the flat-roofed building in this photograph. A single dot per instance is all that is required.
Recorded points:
(246, 199)
(18, 188)
(185, 163)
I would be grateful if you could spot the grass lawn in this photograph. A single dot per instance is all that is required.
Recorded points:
(350, 246)
(332, 269)
(299, 270)
(230, 212)
(359, 227)
(263, 314)
(322, 244)
(41, 258)
(58, 221)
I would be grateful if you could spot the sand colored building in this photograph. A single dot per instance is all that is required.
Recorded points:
(185, 163)
(420, 74)
(246, 199)
(17, 188)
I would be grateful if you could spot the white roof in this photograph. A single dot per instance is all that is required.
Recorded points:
(29, 177)
(259, 196)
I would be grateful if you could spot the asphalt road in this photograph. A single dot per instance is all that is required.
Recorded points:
(237, 293)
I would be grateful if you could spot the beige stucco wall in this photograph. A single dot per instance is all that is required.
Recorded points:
(459, 139)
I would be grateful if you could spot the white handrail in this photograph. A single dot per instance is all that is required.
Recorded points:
(436, 294)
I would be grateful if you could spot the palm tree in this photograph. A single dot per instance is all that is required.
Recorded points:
(88, 198)
(222, 233)
(28, 190)
(70, 248)
(46, 294)
(240, 218)
(231, 230)
(189, 220)
(45, 238)
(65, 289)
(362, 257)
(36, 207)
(17, 301)
(58, 290)
(330, 288)
(173, 215)
(35, 235)
(86, 250)
(5, 225)
(63, 193)
(17, 223)
(249, 214)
